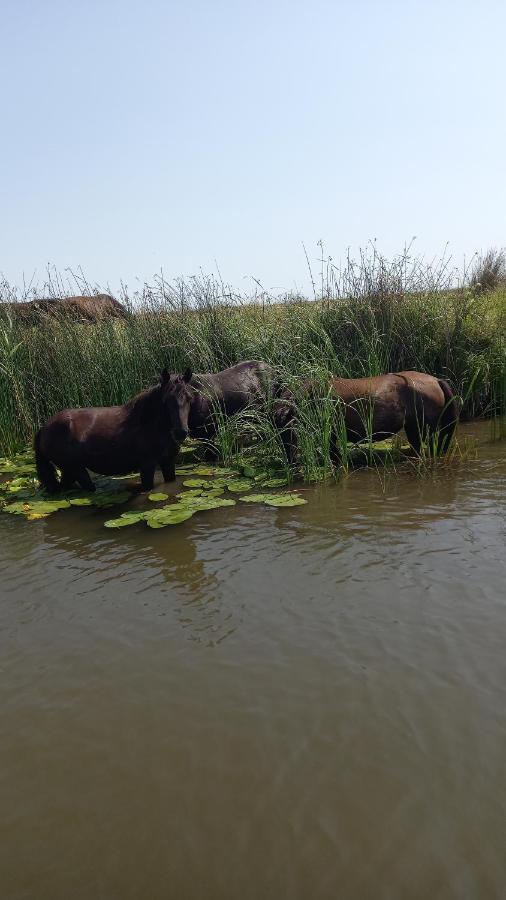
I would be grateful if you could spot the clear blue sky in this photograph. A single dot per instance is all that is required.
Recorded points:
(140, 135)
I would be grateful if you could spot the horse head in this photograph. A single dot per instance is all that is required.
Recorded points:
(176, 398)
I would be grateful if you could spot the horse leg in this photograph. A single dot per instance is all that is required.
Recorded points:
(168, 467)
(414, 434)
(68, 478)
(335, 452)
(283, 416)
(147, 476)
(83, 478)
(210, 454)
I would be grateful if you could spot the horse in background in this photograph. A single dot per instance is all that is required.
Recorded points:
(378, 407)
(85, 310)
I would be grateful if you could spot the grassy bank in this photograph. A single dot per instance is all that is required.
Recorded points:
(352, 328)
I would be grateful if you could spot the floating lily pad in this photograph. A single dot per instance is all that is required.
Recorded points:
(18, 484)
(206, 501)
(212, 470)
(275, 499)
(193, 492)
(36, 508)
(195, 483)
(156, 496)
(286, 500)
(81, 501)
(238, 486)
(274, 482)
(125, 519)
(119, 523)
(248, 471)
(7, 466)
(169, 515)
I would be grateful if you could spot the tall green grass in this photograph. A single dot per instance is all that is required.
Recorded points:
(368, 318)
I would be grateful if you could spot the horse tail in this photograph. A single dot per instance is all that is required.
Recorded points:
(46, 471)
(448, 418)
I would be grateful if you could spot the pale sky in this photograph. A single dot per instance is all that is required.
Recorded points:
(146, 135)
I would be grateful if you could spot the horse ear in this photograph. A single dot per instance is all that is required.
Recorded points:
(165, 376)
(187, 375)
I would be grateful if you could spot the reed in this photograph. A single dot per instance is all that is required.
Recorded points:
(369, 317)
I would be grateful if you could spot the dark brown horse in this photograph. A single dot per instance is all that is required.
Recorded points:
(113, 440)
(197, 403)
(78, 309)
(378, 407)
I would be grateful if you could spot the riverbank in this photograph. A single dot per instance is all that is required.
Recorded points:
(458, 334)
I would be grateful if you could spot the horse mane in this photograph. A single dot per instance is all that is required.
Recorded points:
(144, 406)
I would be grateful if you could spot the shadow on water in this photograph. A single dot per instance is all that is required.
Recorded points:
(261, 703)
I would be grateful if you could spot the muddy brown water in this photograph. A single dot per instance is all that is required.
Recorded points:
(260, 703)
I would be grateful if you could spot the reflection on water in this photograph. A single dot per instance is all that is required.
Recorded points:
(301, 703)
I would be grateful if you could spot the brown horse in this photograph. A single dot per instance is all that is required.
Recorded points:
(113, 440)
(378, 407)
(78, 309)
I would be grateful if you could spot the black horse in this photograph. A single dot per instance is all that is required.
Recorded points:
(148, 430)
(197, 401)
(247, 384)
(113, 440)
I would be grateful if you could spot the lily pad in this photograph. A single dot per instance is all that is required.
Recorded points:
(283, 500)
(128, 518)
(193, 492)
(7, 466)
(248, 471)
(169, 515)
(81, 501)
(205, 502)
(187, 449)
(119, 523)
(195, 483)
(274, 482)
(238, 486)
(156, 496)
(280, 500)
(212, 470)
(36, 508)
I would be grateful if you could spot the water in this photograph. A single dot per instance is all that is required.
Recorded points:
(261, 703)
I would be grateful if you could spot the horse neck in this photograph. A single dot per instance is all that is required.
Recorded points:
(200, 403)
(146, 408)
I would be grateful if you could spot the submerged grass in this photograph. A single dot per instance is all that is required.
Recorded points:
(370, 317)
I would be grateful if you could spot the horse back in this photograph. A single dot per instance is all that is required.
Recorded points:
(73, 427)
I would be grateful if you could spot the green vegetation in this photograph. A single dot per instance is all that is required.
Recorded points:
(21, 495)
(367, 318)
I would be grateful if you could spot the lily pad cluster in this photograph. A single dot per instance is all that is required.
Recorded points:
(205, 487)
(21, 495)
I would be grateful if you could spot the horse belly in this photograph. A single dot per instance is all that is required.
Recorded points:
(369, 419)
(387, 422)
(107, 457)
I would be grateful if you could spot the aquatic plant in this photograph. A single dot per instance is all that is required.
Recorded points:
(281, 500)
(21, 495)
(372, 316)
